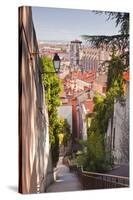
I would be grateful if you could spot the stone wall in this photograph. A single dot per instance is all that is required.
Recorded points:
(117, 136)
(33, 117)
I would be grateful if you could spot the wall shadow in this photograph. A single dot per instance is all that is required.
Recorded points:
(14, 188)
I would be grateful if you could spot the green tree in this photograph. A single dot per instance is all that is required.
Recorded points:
(97, 158)
(66, 132)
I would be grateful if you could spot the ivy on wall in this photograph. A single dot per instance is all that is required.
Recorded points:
(97, 158)
(52, 87)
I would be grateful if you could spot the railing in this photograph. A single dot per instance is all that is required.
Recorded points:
(91, 180)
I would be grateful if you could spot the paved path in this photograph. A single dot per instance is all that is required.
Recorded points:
(122, 170)
(65, 180)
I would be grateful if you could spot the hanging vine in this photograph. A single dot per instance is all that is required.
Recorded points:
(52, 87)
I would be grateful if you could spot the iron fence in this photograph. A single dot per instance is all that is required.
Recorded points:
(91, 180)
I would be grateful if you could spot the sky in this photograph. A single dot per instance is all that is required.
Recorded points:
(70, 24)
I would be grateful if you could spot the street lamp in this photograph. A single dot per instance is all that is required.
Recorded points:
(56, 63)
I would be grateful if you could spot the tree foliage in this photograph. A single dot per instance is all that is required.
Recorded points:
(96, 157)
(121, 19)
(116, 68)
(66, 132)
(119, 41)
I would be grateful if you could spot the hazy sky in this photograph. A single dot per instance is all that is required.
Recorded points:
(69, 24)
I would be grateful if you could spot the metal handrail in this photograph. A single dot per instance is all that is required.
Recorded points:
(108, 180)
(105, 175)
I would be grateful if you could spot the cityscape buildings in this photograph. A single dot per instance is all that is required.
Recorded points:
(57, 110)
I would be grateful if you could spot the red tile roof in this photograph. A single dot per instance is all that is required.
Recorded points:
(126, 75)
(85, 76)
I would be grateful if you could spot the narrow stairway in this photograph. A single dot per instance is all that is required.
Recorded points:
(65, 180)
